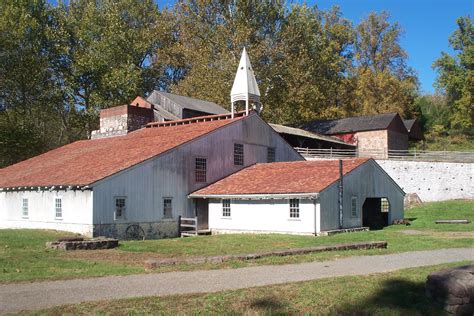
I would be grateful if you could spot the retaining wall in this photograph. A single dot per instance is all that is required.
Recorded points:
(432, 181)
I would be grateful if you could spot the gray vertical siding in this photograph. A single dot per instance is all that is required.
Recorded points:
(172, 174)
(166, 104)
(367, 181)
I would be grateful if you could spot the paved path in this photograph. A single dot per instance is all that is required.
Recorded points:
(27, 296)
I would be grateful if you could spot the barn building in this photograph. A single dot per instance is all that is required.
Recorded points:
(102, 186)
(415, 131)
(303, 197)
(130, 180)
(374, 135)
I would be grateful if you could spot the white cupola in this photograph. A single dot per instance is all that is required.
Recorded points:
(245, 86)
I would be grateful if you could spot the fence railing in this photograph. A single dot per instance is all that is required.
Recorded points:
(412, 154)
(188, 226)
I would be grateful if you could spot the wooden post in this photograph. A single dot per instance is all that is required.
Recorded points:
(179, 226)
(197, 226)
(341, 195)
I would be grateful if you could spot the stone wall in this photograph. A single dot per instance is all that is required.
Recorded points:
(122, 119)
(150, 230)
(432, 181)
(371, 142)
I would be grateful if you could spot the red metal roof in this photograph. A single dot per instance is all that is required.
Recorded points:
(282, 177)
(87, 161)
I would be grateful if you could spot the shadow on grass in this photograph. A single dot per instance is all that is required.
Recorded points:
(396, 297)
(267, 304)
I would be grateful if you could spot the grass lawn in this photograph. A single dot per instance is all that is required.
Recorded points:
(395, 293)
(23, 256)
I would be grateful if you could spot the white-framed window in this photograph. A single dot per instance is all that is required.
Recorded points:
(239, 154)
(271, 154)
(226, 208)
(354, 206)
(384, 205)
(120, 207)
(201, 169)
(24, 207)
(167, 207)
(58, 208)
(294, 208)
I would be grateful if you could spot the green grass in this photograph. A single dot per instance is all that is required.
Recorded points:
(429, 212)
(23, 256)
(396, 293)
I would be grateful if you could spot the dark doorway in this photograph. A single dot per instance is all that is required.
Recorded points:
(373, 215)
(202, 213)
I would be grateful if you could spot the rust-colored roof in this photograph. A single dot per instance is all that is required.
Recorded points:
(281, 178)
(87, 161)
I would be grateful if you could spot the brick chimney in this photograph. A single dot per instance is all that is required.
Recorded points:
(122, 119)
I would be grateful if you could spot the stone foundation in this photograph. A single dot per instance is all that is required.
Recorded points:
(83, 244)
(148, 230)
(153, 264)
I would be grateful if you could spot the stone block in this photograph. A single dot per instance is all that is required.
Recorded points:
(454, 288)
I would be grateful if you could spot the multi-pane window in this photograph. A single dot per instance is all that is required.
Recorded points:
(167, 207)
(226, 207)
(238, 154)
(271, 154)
(354, 206)
(24, 207)
(120, 207)
(58, 208)
(294, 208)
(384, 205)
(200, 169)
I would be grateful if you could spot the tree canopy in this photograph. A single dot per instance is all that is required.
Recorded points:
(456, 75)
(59, 65)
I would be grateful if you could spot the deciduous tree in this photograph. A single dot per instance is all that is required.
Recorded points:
(456, 75)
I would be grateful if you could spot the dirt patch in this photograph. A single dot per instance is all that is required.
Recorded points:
(414, 232)
(438, 234)
(113, 256)
(454, 234)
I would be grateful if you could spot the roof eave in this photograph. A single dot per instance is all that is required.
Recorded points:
(45, 188)
(257, 196)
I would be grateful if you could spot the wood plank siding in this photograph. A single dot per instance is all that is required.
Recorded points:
(171, 175)
(367, 181)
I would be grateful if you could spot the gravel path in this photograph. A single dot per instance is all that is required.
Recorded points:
(28, 296)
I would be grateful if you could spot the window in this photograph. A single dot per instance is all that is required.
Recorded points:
(226, 208)
(24, 208)
(167, 207)
(120, 207)
(354, 206)
(271, 154)
(58, 208)
(294, 208)
(384, 205)
(238, 154)
(200, 171)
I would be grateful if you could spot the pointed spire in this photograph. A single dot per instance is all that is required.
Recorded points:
(245, 86)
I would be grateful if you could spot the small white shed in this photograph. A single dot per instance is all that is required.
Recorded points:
(303, 197)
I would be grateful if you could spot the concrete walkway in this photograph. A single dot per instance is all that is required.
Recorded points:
(27, 296)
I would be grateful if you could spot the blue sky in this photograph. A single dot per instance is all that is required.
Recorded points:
(427, 25)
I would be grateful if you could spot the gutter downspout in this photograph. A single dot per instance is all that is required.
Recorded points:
(341, 195)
